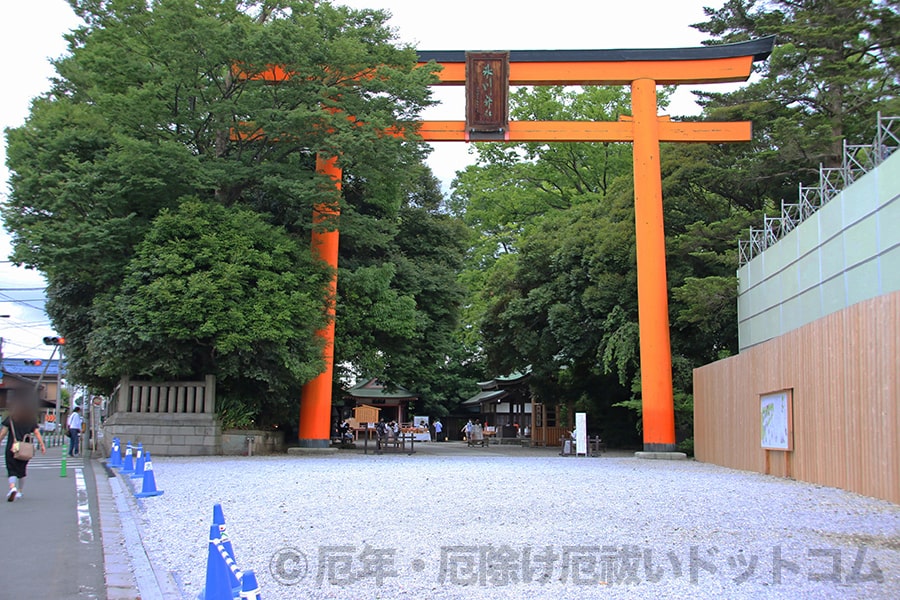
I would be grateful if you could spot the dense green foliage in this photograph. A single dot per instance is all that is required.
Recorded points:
(834, 66)
(174, 248)
(215, 289)
(553, 278)
(398, 293)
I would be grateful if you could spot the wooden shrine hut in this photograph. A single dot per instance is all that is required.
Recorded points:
(392, 402)
(502, 402)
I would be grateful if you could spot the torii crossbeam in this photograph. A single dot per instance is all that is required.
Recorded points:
(487, 77)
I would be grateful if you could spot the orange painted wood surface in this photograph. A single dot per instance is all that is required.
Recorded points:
(594, 131)
(315, 403)
(664, 72)
(658, 413)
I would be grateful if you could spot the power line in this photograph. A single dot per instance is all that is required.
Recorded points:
(9, 342)
(23, 302)
(27, 326)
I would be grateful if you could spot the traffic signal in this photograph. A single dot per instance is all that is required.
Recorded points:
(34, 363)
(55, 341)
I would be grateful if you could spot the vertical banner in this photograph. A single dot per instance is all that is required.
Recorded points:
(487, 92)
(581, 445)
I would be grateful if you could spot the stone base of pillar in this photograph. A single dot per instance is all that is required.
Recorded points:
(661, 455)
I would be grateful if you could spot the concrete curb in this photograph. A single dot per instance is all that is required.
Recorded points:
(130, 575)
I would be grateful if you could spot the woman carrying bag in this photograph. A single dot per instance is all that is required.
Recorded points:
(20, 425)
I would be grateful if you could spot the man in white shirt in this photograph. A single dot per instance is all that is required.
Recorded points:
(74, 424)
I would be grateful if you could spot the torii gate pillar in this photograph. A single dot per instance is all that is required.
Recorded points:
(653, 307)
(315, 403)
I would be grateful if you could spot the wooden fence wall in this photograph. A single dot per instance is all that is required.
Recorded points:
(844, 370)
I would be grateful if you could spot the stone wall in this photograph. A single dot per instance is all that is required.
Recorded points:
(165, 434)
(234, 442)
(177, 418)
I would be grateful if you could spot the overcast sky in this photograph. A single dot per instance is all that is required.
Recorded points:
(31, 34)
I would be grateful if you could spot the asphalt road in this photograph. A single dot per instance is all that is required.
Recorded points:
(52, 546)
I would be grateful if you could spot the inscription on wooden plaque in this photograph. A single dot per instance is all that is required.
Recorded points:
(487, 92)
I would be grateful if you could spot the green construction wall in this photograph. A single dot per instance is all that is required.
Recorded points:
(847, 252)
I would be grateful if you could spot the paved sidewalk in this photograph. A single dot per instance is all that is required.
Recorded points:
(57, 552)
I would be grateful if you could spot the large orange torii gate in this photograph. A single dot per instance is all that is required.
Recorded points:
(487, 77)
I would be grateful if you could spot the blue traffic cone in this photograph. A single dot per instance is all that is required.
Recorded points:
(139, 463)
(128, 464)
(148, 487)
(217, 584)
(249, 586)
(219, 521)
(115, 454)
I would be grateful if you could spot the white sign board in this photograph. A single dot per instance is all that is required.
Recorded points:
(581, 445)
(776, 420)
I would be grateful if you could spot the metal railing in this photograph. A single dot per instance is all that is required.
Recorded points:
(858, 159)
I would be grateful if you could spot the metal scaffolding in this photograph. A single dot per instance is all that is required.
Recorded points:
(858, 159)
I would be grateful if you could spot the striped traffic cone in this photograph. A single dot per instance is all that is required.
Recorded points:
(139, 462)
(148, 487)
(115, 454)
(128, 464)
(249, 586)
(217, 585)
(219, 521)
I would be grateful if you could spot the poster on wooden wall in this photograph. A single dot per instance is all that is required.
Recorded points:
(776, 420)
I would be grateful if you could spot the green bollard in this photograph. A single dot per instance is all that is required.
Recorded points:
(62, 466)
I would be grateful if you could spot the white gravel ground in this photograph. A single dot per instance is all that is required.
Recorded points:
(476, 525)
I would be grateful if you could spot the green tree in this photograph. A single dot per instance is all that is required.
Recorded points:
(215, 289)
(513, 185)
(835, 64)
(550, 280)
(147, 113)
(399, 298)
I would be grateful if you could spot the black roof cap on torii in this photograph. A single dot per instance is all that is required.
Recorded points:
(759, 48)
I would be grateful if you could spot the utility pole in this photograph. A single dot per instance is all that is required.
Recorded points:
(1, 351)
(37, 384)
(59, 384)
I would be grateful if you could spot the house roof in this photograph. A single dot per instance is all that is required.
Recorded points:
(485, 396)
(759, 49)
(505, 381)
(374, 389)
(18, 366)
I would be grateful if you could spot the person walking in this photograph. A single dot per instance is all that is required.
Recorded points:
(20, 423)
(74, 426)
(438, 428)
(467, 430)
